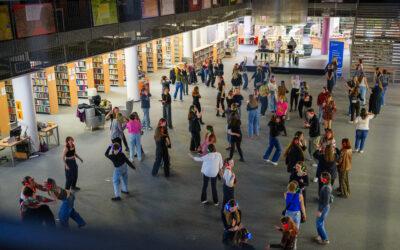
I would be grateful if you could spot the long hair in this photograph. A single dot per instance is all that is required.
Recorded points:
(234, 118)
(240, 237)
(282, 89)
(212, 133)
(134, 116)
(195, 91)
(235, 74)
(253, 101)
(229, 216)
(291, 227)
(294, 143)
(363, 113)
(191, 111)
(361, 77)
(354, 92)
(160, 129)
(329, 153)
(69, 146)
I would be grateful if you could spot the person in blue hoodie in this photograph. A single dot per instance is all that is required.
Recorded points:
(145, 104)
(258, 77)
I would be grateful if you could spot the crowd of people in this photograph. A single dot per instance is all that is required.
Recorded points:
(327, 160)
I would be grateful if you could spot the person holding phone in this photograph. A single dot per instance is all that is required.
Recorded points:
(289, 234)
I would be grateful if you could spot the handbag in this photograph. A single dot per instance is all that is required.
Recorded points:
(286, 208)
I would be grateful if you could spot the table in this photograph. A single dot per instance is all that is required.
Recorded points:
(47, 130)
(5, 143)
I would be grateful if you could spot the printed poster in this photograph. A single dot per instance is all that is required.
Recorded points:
(5, 24)
(104, 12)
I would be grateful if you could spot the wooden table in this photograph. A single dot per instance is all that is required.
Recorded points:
(47, 130)
(11, 145)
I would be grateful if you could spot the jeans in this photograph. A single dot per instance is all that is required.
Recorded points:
(146, 117)
(294, 97)
(320, 223)
(134, 141)
(291, 56)
(330, 84)
(205, 75)
(363, 92)
(71, 174)
(179, 87)
(320, 113)
(334, 78)
(246, 80)
(361, 135)
(120, 173)
(355, 110)
(253, 122)
(186, 83)
(349, 105)
(167, 114)
(311, 146)
(272, 102)
(383, 95)
(264, 104)
(273, 142)
(229, 193)
(213, 188)
(67, 210)
(296, 216)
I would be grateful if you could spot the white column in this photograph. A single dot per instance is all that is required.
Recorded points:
(132, 79)
(187, 44)
(247, 26)
(203, 36)
(23, 93)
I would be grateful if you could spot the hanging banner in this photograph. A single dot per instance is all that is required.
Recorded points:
(336, 49)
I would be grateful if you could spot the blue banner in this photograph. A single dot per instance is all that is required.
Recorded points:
(336, 49)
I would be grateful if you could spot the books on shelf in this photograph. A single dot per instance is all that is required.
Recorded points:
(81, 78)
(10, 101)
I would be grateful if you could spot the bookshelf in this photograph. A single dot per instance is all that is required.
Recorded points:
(218, 49)
(159, 54)
(151, 56)
(232, 46)
(178, 52)
(201, 54)
(113, 69)
(121, 68)
(4, 110)
(45, 91)
(10, 101)
(66, 87)
(98, 73)
(78, 72)
(142, 59)
(172, 48)
(167, 52)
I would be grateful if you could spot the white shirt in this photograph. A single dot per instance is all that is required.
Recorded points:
(363, 124)
(296, 83)
(229, 177)
(278, 45)
(212, 163)
(272, 86)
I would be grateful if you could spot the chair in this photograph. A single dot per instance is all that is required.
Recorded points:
(50, 133)
(3, 158)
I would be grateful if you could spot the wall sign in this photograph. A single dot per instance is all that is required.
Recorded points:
(336, 49)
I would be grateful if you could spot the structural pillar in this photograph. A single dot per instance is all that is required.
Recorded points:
(132, 79)
(325, 36)
(26, 113)
(247, 26)
(188, 44)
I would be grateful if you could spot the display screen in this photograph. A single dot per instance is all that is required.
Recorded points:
(104, 12)
(167, 7)
(5, 24)
(149, 8)
(195, 5)
(34, 19)
(206, 4)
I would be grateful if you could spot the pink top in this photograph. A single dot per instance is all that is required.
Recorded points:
(134, 127)
(281, 108)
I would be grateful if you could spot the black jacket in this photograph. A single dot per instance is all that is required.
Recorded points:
(295, 155)
(314, 129)
(275, 128)
(194, 123)
(324, 166)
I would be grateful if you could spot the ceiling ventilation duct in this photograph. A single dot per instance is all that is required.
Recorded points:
(280, 12)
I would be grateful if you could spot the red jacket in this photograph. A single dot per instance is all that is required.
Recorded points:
(322, 97)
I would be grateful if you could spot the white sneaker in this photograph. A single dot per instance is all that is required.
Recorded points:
(361, 151)
(315, 179)
(204, 202)
(274, 163)
(315, 165)
(355, 150)
(267, 160)
(216, 204)
(351, 122)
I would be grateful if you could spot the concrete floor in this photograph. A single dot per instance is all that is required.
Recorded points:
(169, 210)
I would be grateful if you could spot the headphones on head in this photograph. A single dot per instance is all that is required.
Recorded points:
(248, 235)
(344, 144)
(26, 181)
(112, 146)
(228, 206)
(285, 225)
(192, 110)
(297, 189)
(323, 180)
(208, 131)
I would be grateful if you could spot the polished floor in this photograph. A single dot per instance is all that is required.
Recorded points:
(169, 212)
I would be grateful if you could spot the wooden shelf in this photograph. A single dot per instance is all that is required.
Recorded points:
(66, 85)
(78, 74)
(10, 101)
(4, 111)
(45, 91)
